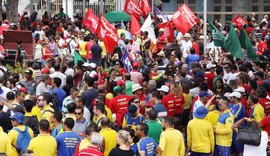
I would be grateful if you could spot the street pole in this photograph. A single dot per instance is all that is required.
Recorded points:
(101, 9)
(153, 7)
(66, 9)
(41, 7)
(205, 24)
(31, 7)
(83, 9)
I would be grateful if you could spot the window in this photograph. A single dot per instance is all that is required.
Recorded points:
(217, 1)
(255, 8)
(192, 2)
(179, 1)
(254, 1)
(228, 8)
(217, 9)
(216, 16)
(228, 17)
(266, 1)
(266, 8)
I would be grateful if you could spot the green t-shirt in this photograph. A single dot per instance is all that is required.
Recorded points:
(155, 130)
(128, 89)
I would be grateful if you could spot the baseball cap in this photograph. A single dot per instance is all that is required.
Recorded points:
(116, 89)
(136, 87)
(132, 109)
(235, 94)
(203, 94)
(240, 89)
(92, 65)
(210, 65)
(135, 64)
(164, 88)
(45, 71)
(201, 112)
(120, 82)
(19, 117)
(86, 64)
(28, 71)
(23, 90)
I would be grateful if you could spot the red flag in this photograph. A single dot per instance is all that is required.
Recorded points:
(239, 21)
(168, 30)
(135, 25)
(91, 21)
(132, 7)
(108, 34)
(145, 6)
(184, 19)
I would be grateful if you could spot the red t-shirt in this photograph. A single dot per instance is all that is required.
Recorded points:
(179, 102)
(266, 124)
(118, 105)
(90, 151)
(87, 47)
(210, 78)
(195, 45)
(168, 102)
(265, 102)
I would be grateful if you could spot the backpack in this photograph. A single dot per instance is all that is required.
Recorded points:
(23, 139)
(54, 100)
(32, 122)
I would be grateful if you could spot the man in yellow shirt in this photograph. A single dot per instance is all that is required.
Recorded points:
(224, 129)
(5, 144)
(200, 135)
(213, 115)
(171, 140)
(44, 138)
(17, 121)
(108, 134)
(47, 110)
(257, 110)
(99, 111)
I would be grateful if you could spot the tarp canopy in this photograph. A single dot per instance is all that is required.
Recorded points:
(118, 16)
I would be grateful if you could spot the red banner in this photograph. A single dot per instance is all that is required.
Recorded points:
(168, 30)
(91, 21)
(239, 21)
(108, 34)
(131, 7)
(145, 6)
(135, 25)
(184, 19)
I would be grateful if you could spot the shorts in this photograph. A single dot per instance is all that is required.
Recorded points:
(199, 154)
(222, 151)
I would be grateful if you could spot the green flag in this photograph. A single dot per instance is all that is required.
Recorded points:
(233, 45)
(246, 44)
(77, 57)
(218, 37)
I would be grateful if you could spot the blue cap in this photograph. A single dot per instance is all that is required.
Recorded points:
(132, 109)
(203, 94)
(200, 112)
(18, 116)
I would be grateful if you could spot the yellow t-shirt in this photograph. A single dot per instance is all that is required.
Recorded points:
(172, 146)
(84, 143)
(188, 100)
(224, 129)
(212, 117)
(5, 144)
(108, 115)
(200, 136)
(13, 135)
(83, 52)
(37, 112)
(258, 113)
(110, 136)
(37, 145)
(47, 113)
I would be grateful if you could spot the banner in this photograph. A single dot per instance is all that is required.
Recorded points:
(168, 30)
(145, 6)
(147, 26)
(132, 7)
(135, 25)
(77, 57)
(239, 21)
(91, 21)
(126, 61)
(108, 34)
(184, 19)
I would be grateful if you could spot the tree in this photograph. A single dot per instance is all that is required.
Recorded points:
(1, 11)
(12, 10)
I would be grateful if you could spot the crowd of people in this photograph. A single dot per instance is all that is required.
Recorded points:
(178, 99)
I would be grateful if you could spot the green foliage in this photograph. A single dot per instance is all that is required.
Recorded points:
(16, 69)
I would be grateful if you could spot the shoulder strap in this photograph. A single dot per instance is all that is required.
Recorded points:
(47, 111)
(99, 120)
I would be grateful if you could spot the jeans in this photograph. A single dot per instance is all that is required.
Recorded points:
(199, 154)
(222, 151)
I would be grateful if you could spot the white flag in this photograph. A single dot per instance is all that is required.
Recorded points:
(147, 26)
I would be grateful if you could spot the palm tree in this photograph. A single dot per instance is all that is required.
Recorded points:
(12, 10)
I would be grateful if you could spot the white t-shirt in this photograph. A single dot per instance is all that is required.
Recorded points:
(38, 52)
(250, 150)
(185, 46)
(61, 76)
(41, 88)
(69, 71)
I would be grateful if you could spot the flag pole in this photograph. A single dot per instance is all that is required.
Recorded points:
(152, 7)
(205, 24)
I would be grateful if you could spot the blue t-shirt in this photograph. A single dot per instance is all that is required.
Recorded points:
(160, 109)
(60, 94)
(66, 143)
(134, 148)
(148, 146)
(239, 112)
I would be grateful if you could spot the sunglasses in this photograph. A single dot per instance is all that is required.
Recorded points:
(77, 113)
(136, 101)
(39, 99)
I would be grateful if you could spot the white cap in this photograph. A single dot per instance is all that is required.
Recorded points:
(235, 94)
(187, 35)
(164, 88)
(161, 53)
(92, 65)
(86, 64)
(240, 89)
(227, 94)
(136, 86)
(210, 65)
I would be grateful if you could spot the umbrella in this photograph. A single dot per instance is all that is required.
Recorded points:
(118, 16)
